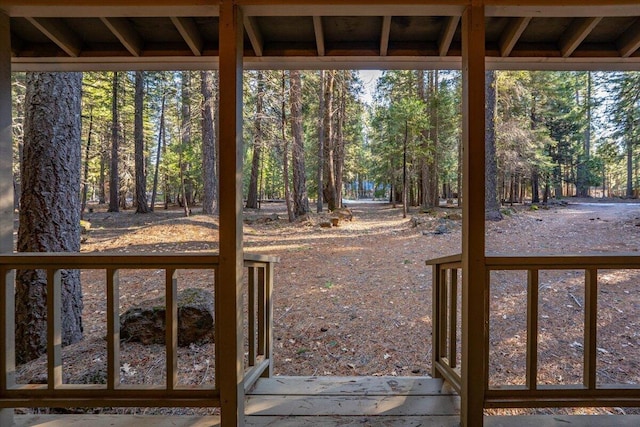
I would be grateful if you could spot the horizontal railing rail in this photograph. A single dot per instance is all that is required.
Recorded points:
(55, 393)
(587, 393)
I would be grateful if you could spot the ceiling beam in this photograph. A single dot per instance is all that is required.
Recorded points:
(255, 36)
(112, 8)
(512, 34)
(352, 7)
(189, 31)
(629, 42)
(562, 9)
(446, 37)
(58, 32)
(384, 35)
(124, 31)
(576, 33)
(319, 31)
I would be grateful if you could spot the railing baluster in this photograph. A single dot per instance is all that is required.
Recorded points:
(261, 311)
(435, 320)
(532, 329)
(442, 321)
(251, 321)
(171, 327)
(267, 327)
(7, 331)
(113, 329)
(54, 329)
(453, 316)
(590, 327)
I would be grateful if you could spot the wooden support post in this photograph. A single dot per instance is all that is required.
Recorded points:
(229, 340)
(7, 361)
(474, 298)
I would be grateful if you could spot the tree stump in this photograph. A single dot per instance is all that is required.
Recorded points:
(145, 323)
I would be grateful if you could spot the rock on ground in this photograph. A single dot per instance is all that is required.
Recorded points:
(146, 322)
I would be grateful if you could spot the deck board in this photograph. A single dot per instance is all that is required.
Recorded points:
(340, 386)
(352, 405)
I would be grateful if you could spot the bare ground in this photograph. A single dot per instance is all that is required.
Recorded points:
(356, 299)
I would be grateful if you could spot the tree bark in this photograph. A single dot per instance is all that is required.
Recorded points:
(50, 214)
(209, 152)
(258, 138)
(300, 198)
(319, 174)
(285, 153)
(85, 176)
(492, 203)
(329, 149)
(114, 179)
(184, 166)
(161, 131)
(141, 176)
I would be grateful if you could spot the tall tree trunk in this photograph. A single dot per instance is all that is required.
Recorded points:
(339, 139)
(300, 198)
(161, 131)
(85, 176)
(138, 136)
(50, 214)
(582, 181)
(425, 185)
(209, 154)
(404, 170)
(629, 193)
(535, 186)
(185, 186)
(258, 138)
(114, 179)
(285, 153)
(434, 131)
(321, 112)
(329, 148)
(492, 203)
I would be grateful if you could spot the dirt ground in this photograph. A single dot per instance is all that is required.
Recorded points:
(356, 299)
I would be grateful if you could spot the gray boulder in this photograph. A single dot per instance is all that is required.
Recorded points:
(145, 322)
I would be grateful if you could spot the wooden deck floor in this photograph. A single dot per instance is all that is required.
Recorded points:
(337, 401)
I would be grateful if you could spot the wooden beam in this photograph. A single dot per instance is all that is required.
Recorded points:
(57, 31)
(228, 299)
(6, 143)
(474, 276)
(512, 33)
(576, 33)
(319, 31)
(352, 8)
(255, 36)
(565, 8)
(384, 35)
(189, 31)
(629, 42)
(7, 319)
(112, 8)
(446, 37)
(124, 31)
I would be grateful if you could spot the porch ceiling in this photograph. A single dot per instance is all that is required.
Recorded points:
(117, 34)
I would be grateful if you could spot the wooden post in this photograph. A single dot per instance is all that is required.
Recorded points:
(6, 206)
(229, 342)
(474, 319)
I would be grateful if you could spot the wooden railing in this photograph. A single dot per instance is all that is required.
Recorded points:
(587, 391)
(445, 352)
(55, 393)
